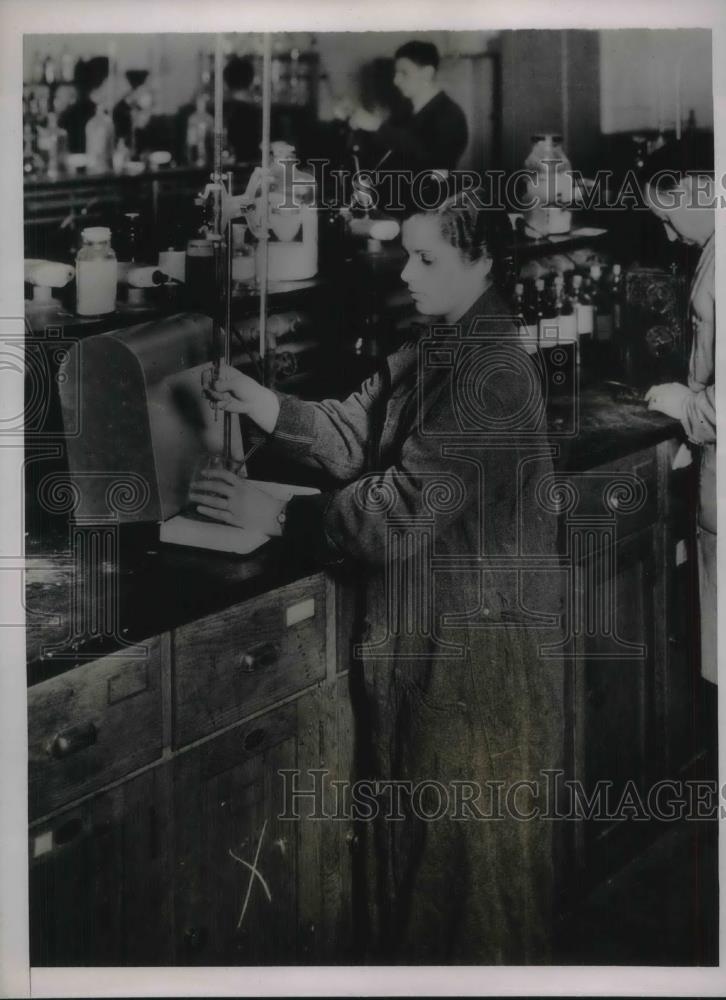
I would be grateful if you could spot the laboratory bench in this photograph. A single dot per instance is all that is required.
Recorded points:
(154, 748)
(155, 739)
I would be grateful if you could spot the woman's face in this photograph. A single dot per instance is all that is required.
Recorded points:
(439, 278)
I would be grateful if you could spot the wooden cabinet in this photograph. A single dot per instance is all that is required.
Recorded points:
(234, 663)
(632, 679)
(258, 876)
(237, 863)
(92, 725)
(618, 715)
(169, 839)
(100, 878)
(163, 826)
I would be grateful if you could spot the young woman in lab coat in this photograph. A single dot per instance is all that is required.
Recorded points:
(686, 209)
(440, 458)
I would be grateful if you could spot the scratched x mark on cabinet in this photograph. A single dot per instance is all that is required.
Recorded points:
(156, 836)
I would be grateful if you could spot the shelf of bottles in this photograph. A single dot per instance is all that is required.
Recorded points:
(294, 72)
(49, 88)
(572, 318)
(47, 82)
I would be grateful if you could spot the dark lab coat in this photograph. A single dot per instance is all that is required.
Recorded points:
(469, 700)
(74, 120)
(243, 120)
(433, 138)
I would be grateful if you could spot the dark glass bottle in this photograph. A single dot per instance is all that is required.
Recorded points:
(548, 325)
(602, 302)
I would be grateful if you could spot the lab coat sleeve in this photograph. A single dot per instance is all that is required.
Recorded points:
(448, 138)
(331, 435)
(699, 416)
(353, 522)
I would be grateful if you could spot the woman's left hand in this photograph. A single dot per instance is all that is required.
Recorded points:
(668, 398)
(222, 495)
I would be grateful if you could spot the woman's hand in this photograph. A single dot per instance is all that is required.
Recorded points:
(668, 398)
(225, 497)
(239, 393)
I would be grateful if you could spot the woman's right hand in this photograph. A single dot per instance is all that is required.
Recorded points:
(239, 393)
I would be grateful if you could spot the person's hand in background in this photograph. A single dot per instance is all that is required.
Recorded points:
(366, 121)
(669, 398)
(343, 109)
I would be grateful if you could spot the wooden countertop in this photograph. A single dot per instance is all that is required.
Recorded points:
(158, 587)
(609, 423)
(161, 587)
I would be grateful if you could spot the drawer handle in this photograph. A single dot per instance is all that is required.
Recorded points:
(254, 739)
(264, 654)
(194, 939)
(72, 740)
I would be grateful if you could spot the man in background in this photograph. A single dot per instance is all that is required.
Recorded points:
(432, 134)
(242, 116)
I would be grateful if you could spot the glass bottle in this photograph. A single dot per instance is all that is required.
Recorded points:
(68, 67)
(200, 134)
(617, 297)
(96, 273)
(527, 330)
(49, 73)
(531, 319)
(548, 324)
(54, 143)
(583, 309)
(32, 162)
(127, 244)
(36, 74)
(99, 142)
(566, 322)
(602, 304)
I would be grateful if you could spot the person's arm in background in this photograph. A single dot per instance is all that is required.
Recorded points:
(447, 138)
(693, 405)
(699, 415)
(695, 408)
(699, 408)
(442, 144)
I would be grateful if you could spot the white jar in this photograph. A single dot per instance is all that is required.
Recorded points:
(96, 273)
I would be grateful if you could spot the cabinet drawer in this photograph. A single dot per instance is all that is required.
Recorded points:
(626, 488)
(92, 725)
(232, 664)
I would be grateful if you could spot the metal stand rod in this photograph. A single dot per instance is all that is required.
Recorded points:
(227, 343)
(265, 206)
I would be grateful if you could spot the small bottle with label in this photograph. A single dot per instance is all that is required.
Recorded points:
(96, 273)
(532, 310)
(200, 134)
(617, 297)
(99, 142)
(527, 330)
(602, 304)
(566, 323)
(53, 141)
(583, 308)
(548, 323)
